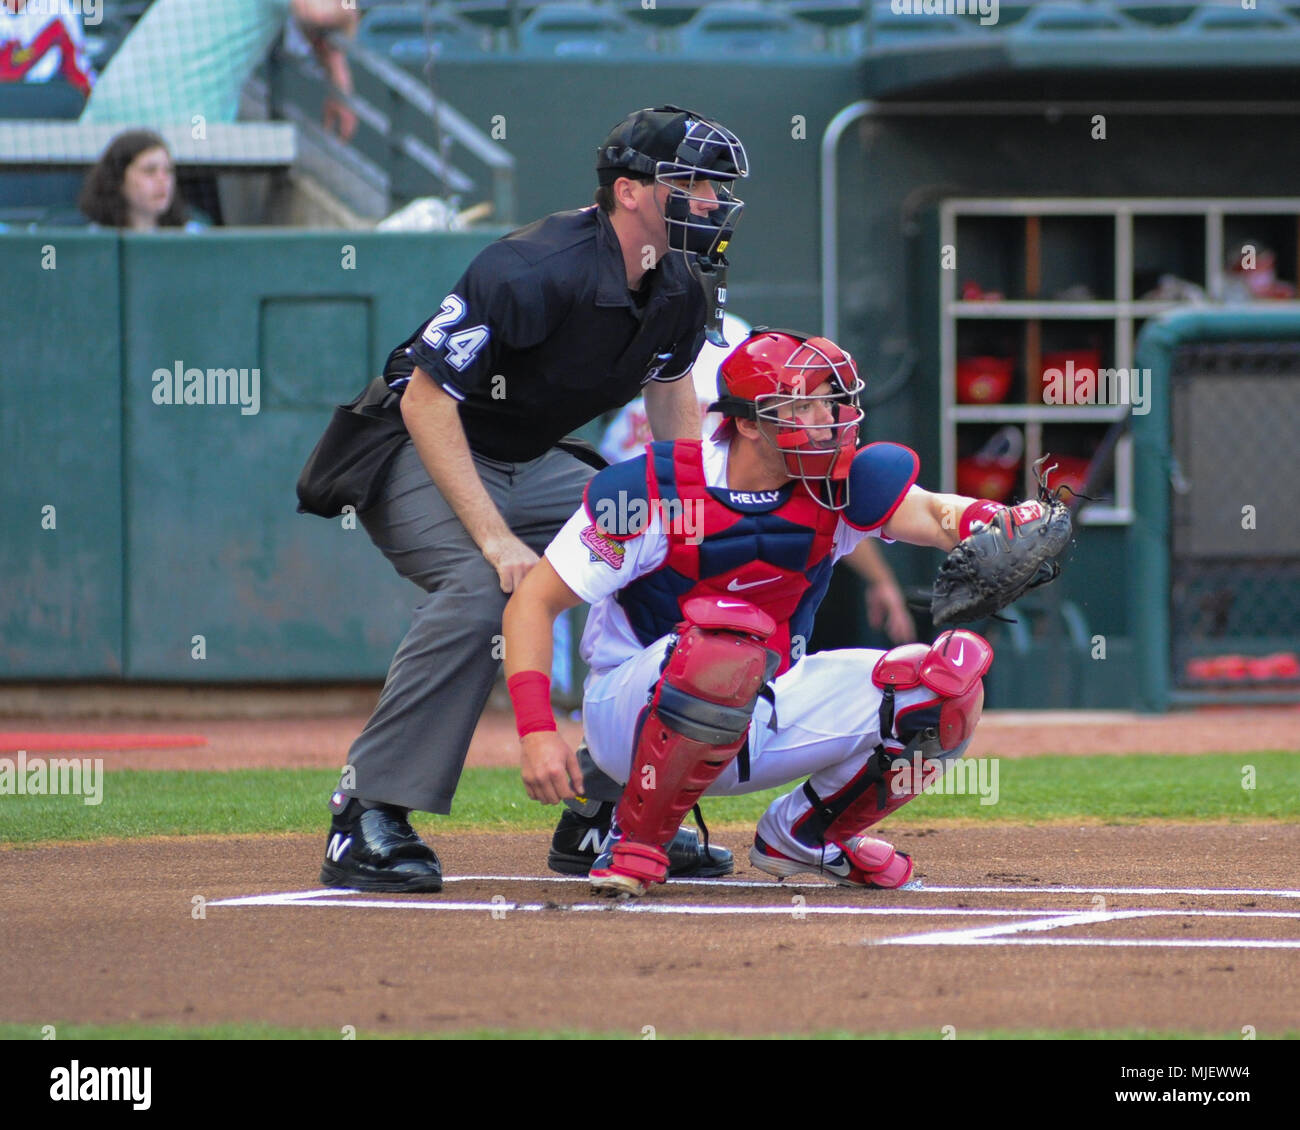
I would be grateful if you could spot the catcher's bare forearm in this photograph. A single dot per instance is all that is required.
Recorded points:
(927, 518)
(528, 623)
(548, 766)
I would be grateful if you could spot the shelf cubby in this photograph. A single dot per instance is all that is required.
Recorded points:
(1075, 275)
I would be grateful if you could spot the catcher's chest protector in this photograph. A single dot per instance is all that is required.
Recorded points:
(771, 549)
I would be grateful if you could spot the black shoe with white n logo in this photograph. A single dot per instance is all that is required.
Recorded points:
(376, 849)
(582, 836)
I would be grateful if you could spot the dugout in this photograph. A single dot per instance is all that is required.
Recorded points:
(1023, 201)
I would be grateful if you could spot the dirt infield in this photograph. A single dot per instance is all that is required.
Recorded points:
(323, 742)
(105, 932)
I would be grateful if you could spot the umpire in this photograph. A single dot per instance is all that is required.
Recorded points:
(457, 463)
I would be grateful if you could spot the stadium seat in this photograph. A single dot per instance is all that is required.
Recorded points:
(1070, 17)
(889, 29)
(67, 216)
(1163, 14)
(410, 34)
(32, 101)
(746, 30)
(665, 16)
(826, 13)
(494, 14)
(581, 31)
(831, 18)
(36, 198)
(1264, 19)
(28, 197)
(1009, 13)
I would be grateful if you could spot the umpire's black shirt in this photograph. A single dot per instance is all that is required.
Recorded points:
(542, 335)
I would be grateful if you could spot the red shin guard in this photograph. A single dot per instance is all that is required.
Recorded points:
(695, 725)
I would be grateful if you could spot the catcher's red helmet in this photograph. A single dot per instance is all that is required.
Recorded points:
(775, 369)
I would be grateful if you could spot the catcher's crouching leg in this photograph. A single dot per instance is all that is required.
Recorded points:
(937, 727)
(693, 728)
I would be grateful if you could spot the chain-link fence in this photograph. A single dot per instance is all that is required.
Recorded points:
(1235, 552)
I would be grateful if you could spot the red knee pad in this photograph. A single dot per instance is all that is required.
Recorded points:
(952, 667)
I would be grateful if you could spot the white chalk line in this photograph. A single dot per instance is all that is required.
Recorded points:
(1174, 943)
(973, 934)
(1226, 891)
(784, 885)
(1000, 934)
(274, 899)
(1035, 921)
(1042, 918)
(773, 884)
(359, 899)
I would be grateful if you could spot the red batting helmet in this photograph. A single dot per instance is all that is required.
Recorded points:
(775, 369)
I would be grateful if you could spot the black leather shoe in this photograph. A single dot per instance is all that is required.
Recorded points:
(580, 840)
(376, 849)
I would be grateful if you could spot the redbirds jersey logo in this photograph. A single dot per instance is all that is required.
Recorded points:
(602, 548)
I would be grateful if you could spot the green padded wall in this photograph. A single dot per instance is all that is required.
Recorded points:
(173, 521)
(212, 538)
(60, 447)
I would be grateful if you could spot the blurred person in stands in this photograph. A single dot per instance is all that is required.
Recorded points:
(134, 186)
(43, 41)
(185, 62)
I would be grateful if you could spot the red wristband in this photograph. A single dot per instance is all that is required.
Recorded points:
(530, 691)
(980, 511)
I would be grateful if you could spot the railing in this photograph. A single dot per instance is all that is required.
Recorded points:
(408, 143)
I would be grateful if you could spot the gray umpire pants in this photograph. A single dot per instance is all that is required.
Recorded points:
(413, 749)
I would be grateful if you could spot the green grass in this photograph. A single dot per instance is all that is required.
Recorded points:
(1106, 789)
(270, 1032)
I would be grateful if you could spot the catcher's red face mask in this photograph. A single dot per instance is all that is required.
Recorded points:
(803, 392)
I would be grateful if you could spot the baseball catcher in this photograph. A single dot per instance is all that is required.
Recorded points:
(704, 563)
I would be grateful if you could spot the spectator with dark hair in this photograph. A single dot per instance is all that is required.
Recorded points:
(41, 42)
(134, 186)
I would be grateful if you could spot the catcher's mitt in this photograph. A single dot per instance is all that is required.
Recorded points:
(1002, 559)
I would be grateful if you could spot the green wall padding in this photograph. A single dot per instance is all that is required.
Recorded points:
(60, 447)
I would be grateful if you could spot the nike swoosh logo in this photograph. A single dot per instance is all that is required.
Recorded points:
(736, 586)
(729, 604)
(840, 867)
(961, 651)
